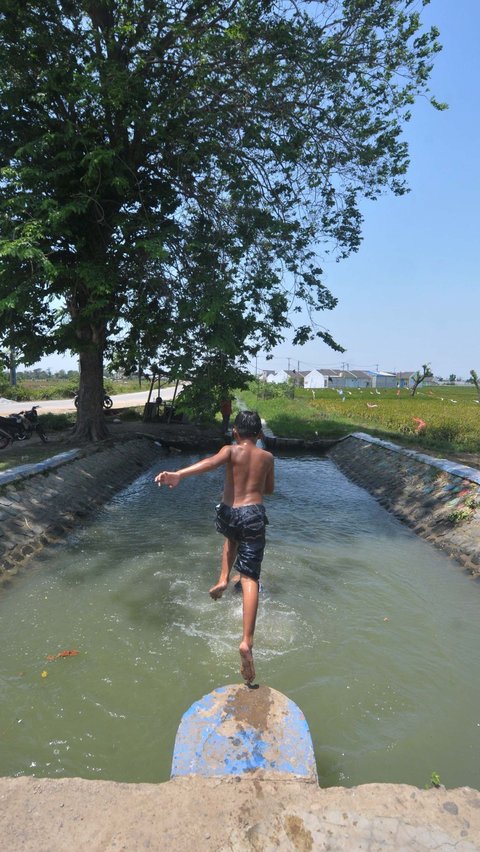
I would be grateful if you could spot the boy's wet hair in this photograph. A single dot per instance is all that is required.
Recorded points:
(248, 424)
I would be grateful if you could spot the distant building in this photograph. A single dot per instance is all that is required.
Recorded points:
(332, 377)
(350, 379)
(281, 377)
(264, 374)
(277, 378)
(323, 378)
(405, 379)
(315, 379)
(382, 379)
(362, 379)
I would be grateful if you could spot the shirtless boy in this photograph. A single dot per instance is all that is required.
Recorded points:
(240, 517)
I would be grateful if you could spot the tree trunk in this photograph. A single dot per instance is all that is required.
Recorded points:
(90, 418)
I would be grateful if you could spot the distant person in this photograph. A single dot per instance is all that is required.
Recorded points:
(240, 517)
(226, 412)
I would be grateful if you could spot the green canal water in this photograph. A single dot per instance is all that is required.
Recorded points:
(373, 633)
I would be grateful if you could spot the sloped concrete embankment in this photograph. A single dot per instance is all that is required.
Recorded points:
(40, 504)
(439, 499)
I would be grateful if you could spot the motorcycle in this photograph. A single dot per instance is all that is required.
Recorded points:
(107, 401)
(20, 427)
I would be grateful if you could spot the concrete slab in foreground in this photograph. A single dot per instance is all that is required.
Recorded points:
(234, 814)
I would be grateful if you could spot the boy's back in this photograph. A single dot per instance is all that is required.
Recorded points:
(248, 474)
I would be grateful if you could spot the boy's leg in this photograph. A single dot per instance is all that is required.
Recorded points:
(229, 555)
(250, 606)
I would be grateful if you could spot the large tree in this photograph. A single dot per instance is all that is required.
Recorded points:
(171, 169)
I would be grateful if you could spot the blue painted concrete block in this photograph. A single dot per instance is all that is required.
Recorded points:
(236, 730)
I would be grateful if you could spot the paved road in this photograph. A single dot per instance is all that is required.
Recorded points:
(121, 400)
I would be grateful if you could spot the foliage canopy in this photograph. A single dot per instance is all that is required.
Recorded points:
(170, 170)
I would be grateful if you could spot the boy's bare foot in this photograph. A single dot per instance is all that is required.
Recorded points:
(247, 668)
(217, 590)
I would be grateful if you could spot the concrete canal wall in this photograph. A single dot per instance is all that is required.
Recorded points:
(439, 499)
(41, 503)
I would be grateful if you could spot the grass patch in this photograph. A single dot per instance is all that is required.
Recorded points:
(31, 451)
(30, 454)
(54, 388)
(57, 422)
(451, 415)
(131, 414)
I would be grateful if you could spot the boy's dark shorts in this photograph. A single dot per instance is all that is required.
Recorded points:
(245, 525)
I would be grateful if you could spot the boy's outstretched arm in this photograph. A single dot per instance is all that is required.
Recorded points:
(173, 477)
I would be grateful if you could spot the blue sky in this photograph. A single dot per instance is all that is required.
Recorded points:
(410, 295)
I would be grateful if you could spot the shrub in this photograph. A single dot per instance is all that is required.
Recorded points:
(60, 390)
(460, 515)
(445, 432)
(17, 392)
(132, 414)
(267, 390)
(57, 422)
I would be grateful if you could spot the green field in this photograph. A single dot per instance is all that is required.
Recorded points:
(55, 388)
(451, 414)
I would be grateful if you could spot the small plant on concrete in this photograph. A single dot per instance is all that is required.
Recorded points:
(471, 502)
(434, 781)
(460, 515)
